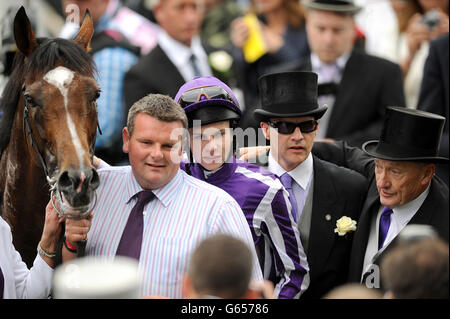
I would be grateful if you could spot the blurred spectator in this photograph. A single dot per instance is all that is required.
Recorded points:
(407, 41)
(429, 19)
(353, 291)
(113, 55)
(220, 267)
(178, 57)
(281, 24)
(417, 270)
(355, 86)
(137, 29)
(434, 93)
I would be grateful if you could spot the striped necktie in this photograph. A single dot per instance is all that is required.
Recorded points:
(131, 241)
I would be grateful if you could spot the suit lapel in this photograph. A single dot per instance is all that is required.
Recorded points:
(346, 88)
(323, 219)
(361, 238)
(170, 78)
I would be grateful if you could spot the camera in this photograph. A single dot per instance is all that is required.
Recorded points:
(431, 19)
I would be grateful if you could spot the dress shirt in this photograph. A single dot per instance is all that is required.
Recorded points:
(185, 211)
(180, 55)
(399, 219)
(318, 67)
(302, 175)
(21, 282)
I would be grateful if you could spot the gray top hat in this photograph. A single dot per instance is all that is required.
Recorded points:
(339, 6)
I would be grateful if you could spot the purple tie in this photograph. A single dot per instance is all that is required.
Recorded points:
(385, 222)
(2, 283)
(131, 241)
(286, 180)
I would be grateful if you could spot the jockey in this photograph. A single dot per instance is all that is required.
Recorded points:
(213, 113)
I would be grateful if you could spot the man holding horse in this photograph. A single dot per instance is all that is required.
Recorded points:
(16, 280)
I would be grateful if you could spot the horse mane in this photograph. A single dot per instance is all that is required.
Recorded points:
(47, 55)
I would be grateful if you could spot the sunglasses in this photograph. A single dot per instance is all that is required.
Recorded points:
(204, 93)
(289, 127)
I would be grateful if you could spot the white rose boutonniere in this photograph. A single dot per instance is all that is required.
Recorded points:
(344, 225)
(220, 61)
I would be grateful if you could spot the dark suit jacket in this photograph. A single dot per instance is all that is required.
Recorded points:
(434, 210)
(337, 192)
(434, 96)
(154, 73)
(369, 84)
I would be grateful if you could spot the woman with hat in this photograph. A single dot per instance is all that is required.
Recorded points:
(404, 189)
(321, 193)
(213, 111)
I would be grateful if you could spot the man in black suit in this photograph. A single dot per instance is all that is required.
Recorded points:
(178, 57)
(403, 187)
(321, 193)
(355, 86)
(434, 92)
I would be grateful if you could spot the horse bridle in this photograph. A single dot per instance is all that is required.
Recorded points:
(27, 126)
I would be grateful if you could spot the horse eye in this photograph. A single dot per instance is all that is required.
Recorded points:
(97, 94)
(29, 100)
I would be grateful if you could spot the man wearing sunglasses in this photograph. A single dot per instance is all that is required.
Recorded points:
(213, 111)
(321, 193)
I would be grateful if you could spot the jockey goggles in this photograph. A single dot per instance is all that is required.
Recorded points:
(202, 93)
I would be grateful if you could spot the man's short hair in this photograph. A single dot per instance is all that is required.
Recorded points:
(221, 266)
(417, 270)
(353, 291)
(161, 107)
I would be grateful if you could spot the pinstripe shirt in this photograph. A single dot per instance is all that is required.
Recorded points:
(266, 206)
(184, 212)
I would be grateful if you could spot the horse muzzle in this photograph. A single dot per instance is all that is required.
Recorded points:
(75, 192)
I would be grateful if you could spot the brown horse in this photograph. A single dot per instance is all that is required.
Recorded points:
(48, 130)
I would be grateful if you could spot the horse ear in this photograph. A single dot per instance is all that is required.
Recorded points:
(84, 35)
(23, 33)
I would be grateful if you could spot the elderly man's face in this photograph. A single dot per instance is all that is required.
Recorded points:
(154, 149)
(330, 35)
(399, 182)
(181, 19)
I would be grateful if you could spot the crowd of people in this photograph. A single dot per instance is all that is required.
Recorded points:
(317, 168)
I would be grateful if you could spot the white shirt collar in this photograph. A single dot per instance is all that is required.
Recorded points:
(403, 214)
(301, 174)
(316, 63)
(178, 52)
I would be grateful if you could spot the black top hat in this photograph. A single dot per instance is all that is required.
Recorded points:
(289, 94)
(408, 135)
(339, 6)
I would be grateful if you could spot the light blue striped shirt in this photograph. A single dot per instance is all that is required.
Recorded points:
(185, 211)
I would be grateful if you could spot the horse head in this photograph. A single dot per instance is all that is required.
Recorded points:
(60, 113)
